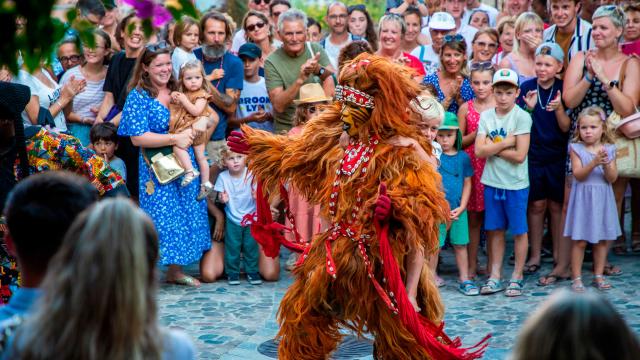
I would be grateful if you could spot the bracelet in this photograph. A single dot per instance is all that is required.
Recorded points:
(586, 77)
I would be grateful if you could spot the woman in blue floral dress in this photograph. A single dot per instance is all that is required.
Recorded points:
(451, 83)
(180, 219)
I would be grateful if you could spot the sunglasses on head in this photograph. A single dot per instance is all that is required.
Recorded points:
(481, 66)
(453, 38)
(359, 7)
(161, 45)
(252, 27)
(257, 2)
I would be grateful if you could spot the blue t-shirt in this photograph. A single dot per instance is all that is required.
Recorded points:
(548, 141)
(454, 169)
(233, 78)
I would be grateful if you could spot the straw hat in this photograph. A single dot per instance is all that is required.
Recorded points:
(311, 93)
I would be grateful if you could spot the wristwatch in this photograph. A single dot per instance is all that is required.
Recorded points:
(612, 84)
(321, 72)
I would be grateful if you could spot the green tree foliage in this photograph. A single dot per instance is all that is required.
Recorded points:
(376, 9)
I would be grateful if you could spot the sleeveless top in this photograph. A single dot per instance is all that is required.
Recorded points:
(521, 78)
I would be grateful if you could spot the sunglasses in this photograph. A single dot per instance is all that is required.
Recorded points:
(483, 44)
(252, 27)
(158, 46)
(312, 109)
(359, 7)
(481, 66)
(453, 38)
(72, 58)
(257, 2)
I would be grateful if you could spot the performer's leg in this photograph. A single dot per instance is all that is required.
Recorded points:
(305, 333)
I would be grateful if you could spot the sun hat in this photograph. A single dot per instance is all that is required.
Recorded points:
(442, 21)
(311, 93)
(505, 76)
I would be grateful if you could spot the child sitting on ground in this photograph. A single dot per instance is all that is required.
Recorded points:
(104, 140)
(233, 188)
(188, 106)
(456, 171)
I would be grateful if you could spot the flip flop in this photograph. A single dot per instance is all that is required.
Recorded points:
(551, 279)
(531, 269)
(612, 270)
(185, 281)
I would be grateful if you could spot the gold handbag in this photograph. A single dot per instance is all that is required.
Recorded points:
(163, 163)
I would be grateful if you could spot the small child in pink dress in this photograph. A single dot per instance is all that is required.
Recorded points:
(469, 118)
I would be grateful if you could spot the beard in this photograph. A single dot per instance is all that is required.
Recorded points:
(213, 51)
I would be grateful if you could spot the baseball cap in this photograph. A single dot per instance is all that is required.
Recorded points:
(505, 76)
(450, 122)
(442, 21)
(250, 50)
(552, 49)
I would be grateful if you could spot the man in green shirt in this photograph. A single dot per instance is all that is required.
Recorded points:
(296, 63)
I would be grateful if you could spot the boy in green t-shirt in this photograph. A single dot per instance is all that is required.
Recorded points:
(503, 139)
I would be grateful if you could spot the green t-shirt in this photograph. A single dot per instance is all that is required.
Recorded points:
(281, 70)
(498, 172)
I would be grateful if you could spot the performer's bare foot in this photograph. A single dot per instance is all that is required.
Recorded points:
(413, 301)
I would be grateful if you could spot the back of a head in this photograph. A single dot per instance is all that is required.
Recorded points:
(102, 281)
(39, 211)
(576, 327)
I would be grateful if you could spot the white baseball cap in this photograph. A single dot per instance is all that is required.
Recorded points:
(442, 21)
(506, 76)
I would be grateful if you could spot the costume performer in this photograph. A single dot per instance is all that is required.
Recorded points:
(352, 275)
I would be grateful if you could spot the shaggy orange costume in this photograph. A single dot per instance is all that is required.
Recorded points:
(333, 288)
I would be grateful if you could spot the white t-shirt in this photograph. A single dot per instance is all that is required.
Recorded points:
(238, 40)
(253, 97)
(428, 57)
(490, 10)
(46, 96)
(91, 97)
(240, 191)
(333, 50)
(178, 58)
(498, 172)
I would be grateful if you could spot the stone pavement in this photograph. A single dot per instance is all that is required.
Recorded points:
(234, 322)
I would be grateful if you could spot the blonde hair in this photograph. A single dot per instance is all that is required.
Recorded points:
(523, 20)
(223, 152)
(576, 326)
(427, 107)
(98, 297)
(597, 112)
(190, 65)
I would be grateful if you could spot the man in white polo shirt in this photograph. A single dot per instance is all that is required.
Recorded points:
(440, 25)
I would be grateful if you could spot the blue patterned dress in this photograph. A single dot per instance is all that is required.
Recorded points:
(181, 221)
(466, 92)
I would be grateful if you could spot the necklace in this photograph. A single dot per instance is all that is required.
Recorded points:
(544, 107)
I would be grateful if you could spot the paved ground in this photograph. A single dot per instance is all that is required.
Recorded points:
(234, 322)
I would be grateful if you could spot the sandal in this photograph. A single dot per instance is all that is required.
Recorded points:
(515, 288)
(186, 281)
(635, 242)
(551, 279)
(531, 269)
(468, 288)
(600, 283)
(619, 249)
(492, 286)
(189, 176)
(205, 190)
(577, 285)
(612, 270)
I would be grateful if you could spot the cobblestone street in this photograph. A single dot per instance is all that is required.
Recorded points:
(238, 322)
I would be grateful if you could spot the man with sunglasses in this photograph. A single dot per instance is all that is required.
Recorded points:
(441, 24)
(337, 17)
(239, 38)
(400, 6)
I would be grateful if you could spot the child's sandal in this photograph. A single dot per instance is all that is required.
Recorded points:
(515, 288)
(189, 176)
(577, 285)
(205, 190)
(600, 283)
